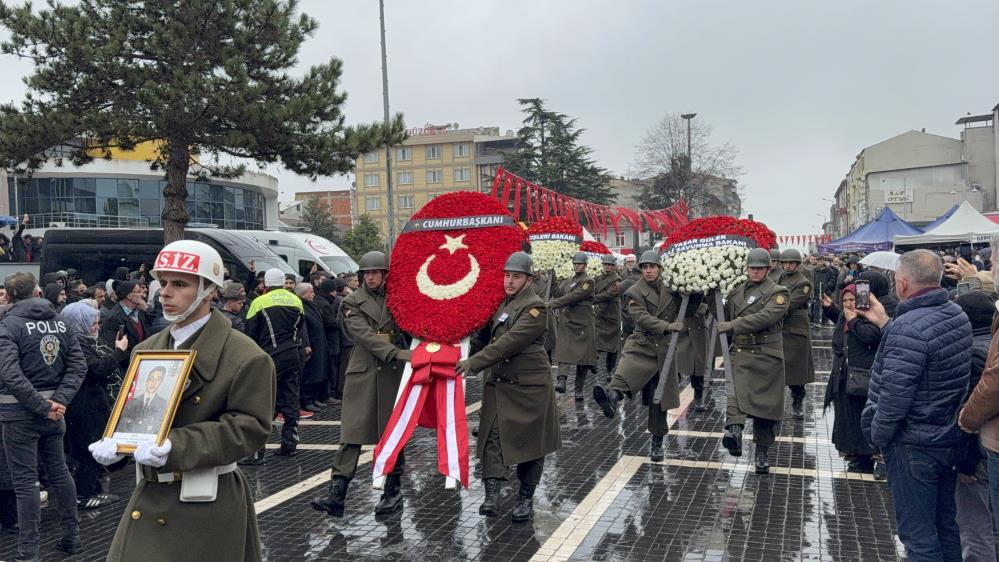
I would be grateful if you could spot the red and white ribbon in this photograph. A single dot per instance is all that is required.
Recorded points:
(432, 395)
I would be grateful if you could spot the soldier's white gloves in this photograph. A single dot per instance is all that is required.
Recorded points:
(153, 455)
(105, 451)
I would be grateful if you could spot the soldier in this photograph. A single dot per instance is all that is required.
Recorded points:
(540, 284)
(607, 311)
(654, 310)
(519, 419)
(692, 348)
(575, 336)
(373, 375)
(799, 369)
(775, 266)
(757, 308)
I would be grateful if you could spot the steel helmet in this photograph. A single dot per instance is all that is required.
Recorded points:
(580, 257)
(650, 256)
(775, 255)
(193, 258)
(608, 259)
(373, 260)
(758, 257)
(790, 255)
(520, 262)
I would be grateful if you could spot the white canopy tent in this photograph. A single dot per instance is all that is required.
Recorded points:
(965, 225)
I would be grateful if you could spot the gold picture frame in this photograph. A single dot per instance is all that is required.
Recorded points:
(149, 396)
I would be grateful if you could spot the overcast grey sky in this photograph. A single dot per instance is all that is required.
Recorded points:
(798, 87)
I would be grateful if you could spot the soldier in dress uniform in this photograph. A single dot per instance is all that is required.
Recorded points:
(799, 369)
(756, 308)
(575, 338)
(776, 270)
(540, 283)
(654, 310)
(373, 375)
(692, 349)
(607, 310)
(519, 420)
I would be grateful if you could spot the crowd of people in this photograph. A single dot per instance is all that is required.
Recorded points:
(913, 388)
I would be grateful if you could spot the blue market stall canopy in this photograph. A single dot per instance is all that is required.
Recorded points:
(878, 234)
(7, 220)
(940, 219)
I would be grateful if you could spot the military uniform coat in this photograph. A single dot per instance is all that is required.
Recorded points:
(575, 338)
(540, 286)
(651, 308)
(607, 311)
(373, 375)
(692, 347)
(799, 368)
(223, 416)
(757, 312)
(518, 395)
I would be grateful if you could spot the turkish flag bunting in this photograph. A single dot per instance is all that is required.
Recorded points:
(498, 179)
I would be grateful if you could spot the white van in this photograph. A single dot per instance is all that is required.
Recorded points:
(303, 250)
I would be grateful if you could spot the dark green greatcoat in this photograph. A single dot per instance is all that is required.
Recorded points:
(691, 348)
(224, 415)
(540, 285)
(373, 374)
(757, 312)
(575, 339)
(518, 395)
(607, 311)
(652, 308)
(799, 369)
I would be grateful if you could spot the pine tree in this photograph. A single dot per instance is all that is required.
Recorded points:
(363, 238)
(202, 78)
(550, 154)
(318, 217)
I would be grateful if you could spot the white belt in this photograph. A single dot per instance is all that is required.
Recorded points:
(9, 398)
(167, 477)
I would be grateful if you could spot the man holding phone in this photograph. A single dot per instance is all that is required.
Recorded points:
(127, 318)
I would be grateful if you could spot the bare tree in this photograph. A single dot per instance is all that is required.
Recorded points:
(662, 157)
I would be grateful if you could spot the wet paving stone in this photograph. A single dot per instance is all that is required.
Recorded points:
(600, 498)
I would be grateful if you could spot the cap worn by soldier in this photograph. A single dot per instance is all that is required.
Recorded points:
(580, 257)
(609, 259)
(650, 256)
(519, 262)
(758, 257)
(790, 255)
(775, 255)
(373, 260)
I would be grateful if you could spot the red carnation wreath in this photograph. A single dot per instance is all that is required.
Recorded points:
(446, 280)
(594, 247)
(713, 226)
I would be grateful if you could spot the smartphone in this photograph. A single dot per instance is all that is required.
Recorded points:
(963, 288)
(863, 294)
(121, 332)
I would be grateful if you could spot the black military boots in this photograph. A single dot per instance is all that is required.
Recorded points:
(491, 503)
(334, 500)
(607, 399)
(733, 440)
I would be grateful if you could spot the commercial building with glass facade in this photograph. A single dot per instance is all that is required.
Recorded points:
(126, 193)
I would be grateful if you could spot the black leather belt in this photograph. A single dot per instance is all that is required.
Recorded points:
(753, 339)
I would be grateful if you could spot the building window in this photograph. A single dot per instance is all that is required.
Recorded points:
(405, 201)
(435, 176)
(619, 239)
(370, 180)
(372, 203)
(433, 152)
(371, 157)
(462, 174)
(460, 150)
(404, 154)
(405, 178)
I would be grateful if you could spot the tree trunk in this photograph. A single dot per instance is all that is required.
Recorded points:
(175, 215)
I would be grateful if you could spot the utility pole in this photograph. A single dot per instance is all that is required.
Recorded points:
(390, 210)
(687, 117)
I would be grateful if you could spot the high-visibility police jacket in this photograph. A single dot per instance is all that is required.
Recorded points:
(276, 321)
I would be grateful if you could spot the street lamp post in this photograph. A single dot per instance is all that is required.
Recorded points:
(687, 117)
(390, 209)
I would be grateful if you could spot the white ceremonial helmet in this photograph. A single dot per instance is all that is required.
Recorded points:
(194, 258)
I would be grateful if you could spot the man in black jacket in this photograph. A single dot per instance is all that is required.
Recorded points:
(41, 368)
(329, 304)
(127, 315)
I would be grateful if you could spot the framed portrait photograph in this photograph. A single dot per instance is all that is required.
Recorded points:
(147, 402)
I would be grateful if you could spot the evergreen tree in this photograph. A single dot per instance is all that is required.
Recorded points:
(201, 78)
(318, 216)
(550, 154)
(363, 238)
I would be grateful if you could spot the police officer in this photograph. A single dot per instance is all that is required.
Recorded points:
(775, 266)
(799, 369)
(654, 310)
(373, 375)
(607, 310)
(276, 322)
(575, 337)
(756, 308)
(519, 419)
(41, 368)
(224, 414)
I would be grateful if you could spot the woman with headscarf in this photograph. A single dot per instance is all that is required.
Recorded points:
(855, 342)
(88, 413)
(55, 293)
